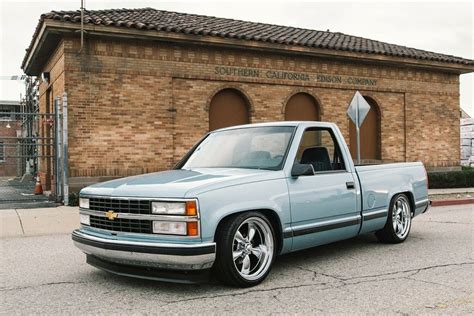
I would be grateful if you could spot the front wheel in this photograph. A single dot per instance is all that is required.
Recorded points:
(245, 249)
(398, 224)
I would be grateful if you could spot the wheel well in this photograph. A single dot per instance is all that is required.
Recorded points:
(270, 215)
(411, 199)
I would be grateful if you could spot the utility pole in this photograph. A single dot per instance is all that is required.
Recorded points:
(82, 25)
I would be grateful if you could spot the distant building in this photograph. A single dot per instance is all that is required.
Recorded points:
(147, 84)
(467, 139)
(10, 126)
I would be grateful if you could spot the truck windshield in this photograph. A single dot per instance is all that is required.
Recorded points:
(252, 148)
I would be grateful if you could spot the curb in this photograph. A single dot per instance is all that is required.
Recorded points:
(451, 202)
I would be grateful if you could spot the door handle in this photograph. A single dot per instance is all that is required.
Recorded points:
(350, 185)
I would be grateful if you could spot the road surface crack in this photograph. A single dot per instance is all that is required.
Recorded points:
(3, 289)
(416, 271)
(247, 292)
(448, 222)
(21, 223)
(325, 285)
(435, 283)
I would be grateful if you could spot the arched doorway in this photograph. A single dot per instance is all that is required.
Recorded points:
(228, 107)
(302, 107)
(369, 134)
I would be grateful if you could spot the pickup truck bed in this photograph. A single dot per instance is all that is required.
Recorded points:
(379, 183)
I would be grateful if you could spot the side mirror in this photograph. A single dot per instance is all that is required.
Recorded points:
(302, 170)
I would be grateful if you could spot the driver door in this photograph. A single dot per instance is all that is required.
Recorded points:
(323, 205)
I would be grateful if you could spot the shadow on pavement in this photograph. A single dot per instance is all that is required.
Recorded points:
(313, 256)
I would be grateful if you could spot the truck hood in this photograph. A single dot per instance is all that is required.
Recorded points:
(179, 183)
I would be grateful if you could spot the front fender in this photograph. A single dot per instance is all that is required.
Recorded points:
(217, 204)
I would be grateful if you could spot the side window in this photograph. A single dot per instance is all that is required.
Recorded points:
(319, 148)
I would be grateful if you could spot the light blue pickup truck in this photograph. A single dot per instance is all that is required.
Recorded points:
(242, 196)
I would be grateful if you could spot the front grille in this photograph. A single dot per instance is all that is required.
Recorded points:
(120, 205)
(122, 224)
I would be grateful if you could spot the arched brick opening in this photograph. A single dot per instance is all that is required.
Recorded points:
(370, 144)
(228, 107)
(302, 107)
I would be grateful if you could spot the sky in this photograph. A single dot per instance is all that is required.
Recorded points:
(443, 27)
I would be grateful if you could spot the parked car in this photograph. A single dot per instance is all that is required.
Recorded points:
(242, 196)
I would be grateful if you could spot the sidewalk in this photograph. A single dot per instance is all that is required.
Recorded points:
(457, 196)
(450, 191)
(38, 221)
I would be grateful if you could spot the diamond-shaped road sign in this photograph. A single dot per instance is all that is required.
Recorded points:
(358, 109)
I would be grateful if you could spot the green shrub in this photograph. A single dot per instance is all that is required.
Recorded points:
(451, 179)
(74, 199)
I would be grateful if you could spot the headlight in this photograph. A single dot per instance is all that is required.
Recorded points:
(171, 208)
(172, 228)
(176, 228)
(85, 219)
(83, 202)
(188, 208)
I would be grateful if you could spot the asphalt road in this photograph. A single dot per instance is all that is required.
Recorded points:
(432, 272)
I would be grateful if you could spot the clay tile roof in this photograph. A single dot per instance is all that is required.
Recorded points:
(165, 21)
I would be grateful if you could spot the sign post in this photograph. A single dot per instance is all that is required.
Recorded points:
(357, 111)
(65, 174)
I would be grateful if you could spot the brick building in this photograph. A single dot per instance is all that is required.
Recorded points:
(10, 126)
(147, 84)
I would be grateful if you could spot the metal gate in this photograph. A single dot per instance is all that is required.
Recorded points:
(33, 146)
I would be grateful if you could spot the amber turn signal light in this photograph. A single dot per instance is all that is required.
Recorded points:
(192, 229)
(191, 208)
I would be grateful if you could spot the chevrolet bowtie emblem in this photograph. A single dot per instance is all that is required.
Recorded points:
(111, 215)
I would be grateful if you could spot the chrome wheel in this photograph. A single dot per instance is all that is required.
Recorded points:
(401, 217)
(252, 248)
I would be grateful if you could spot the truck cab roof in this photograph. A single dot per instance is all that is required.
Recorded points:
(281, 123)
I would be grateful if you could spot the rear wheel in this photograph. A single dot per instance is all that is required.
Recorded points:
(245, 249)
(398, 224)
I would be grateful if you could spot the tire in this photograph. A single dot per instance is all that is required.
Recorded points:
(398, 223)
(239, 261)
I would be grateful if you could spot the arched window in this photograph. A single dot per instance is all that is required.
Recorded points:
(302, 107)
(370, 147)
(228, 107)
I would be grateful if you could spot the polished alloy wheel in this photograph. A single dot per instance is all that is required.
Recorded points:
(401, 217)
(252, 248)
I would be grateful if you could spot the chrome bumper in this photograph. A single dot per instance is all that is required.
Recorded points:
(147, 254)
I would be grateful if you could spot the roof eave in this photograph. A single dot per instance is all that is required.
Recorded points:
(35, 46)
(57, 27)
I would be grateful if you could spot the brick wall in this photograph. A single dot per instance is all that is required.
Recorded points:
(48, 91)
(138, 106)
(9, 164)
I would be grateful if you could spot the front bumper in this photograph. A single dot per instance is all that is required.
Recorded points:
(175, 276)
(147, 254)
